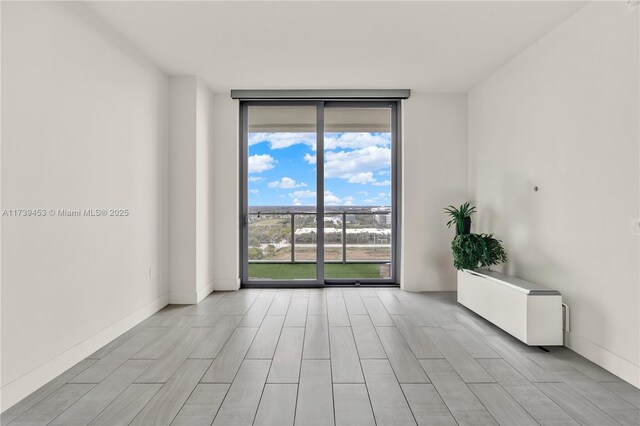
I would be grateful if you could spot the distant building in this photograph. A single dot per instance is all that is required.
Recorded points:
(384, 216)
(381, 209)
(383, 219)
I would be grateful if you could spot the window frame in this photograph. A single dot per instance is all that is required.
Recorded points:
(396, 202)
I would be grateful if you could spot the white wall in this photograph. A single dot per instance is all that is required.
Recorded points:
(190, 202)
(434, 144)
(205, 219)
(84, 126)
(182, 189)
(224, 192)
(434, 175)
(564, 115)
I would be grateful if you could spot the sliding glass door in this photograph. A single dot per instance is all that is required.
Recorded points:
(357, 180)
(318, 193)
(280, 189)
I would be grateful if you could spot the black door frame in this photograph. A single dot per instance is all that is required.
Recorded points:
(320, 281)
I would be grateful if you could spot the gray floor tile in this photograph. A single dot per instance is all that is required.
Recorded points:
(107, 365)
(337, 312)
(285, 367)
(387, 400)
(53, 405)
(461, 401)
(266, 340)
(315, 394)
(240, 405)
(377, 312)
(426, 405)
(501, 405)
(167, 402)
(404, 363)
(297, 313)
(278, 405)
(226, 365)
(367, 342)
(101, 395)
(202, 406)
(16, 410)
(419, 342)
(258, 310)
(216, 337)
(464, 364)
(345, 364)
(352, 404)
(127, 405)
(575, 404)
(316, 338)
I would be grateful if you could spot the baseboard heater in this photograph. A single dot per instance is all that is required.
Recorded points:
(526, 310)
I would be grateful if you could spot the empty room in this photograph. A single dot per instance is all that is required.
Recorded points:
(320, 213)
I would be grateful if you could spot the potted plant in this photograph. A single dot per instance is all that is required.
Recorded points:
(461, 217)
(471, 251)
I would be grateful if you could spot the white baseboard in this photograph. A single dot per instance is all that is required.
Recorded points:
(226, 284)
(195, 297)
(28, 383)
(183, 298)
(204, 291)
(609, 361)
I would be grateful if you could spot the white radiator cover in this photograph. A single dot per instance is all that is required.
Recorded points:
(523, 309)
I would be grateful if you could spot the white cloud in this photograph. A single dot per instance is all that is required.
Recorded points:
(311, 159)
(357, 166)
(281, 140)
(349, 164)
(254, 191)
(330, 199)
(355, 140)
(365, 193)
(255, 178)
(286, 183)
(363, 178)
(303, 194)
(383, 195)
(370, 201)
(261, 163)
(366, 155)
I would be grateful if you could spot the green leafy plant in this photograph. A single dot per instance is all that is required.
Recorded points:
(471, 251)
(461, 217)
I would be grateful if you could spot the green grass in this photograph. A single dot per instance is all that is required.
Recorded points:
(287, 271)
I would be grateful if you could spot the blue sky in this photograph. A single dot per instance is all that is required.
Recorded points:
(282, 169)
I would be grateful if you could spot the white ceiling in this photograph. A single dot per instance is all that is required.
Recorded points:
(427, 46)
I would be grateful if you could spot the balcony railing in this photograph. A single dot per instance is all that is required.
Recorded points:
(349, 237)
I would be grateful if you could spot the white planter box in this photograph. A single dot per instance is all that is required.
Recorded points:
(523, 309)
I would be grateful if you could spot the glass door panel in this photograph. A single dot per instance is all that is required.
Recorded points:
(358, 222)
(281, 196)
